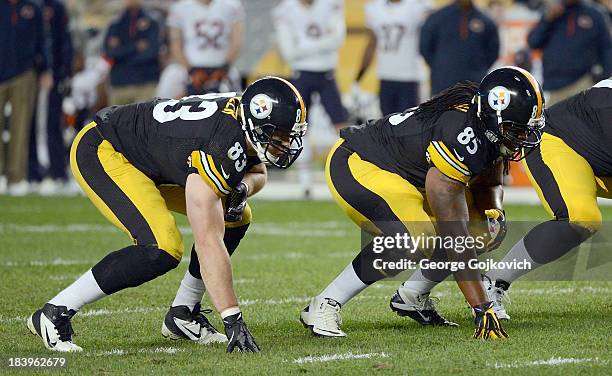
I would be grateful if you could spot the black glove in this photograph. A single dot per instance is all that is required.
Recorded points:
(235, 203)
(487, 323)
(238, 335)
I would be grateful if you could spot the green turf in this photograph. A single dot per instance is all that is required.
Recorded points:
(295, 248)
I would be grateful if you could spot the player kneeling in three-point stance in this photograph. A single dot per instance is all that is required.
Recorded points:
(570, 169)
(132, 160)
(386, 175)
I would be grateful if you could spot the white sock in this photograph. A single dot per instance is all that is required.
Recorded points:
(84, 290)
(190, 292)
(344, 287)
(518, 253)
(419, 283)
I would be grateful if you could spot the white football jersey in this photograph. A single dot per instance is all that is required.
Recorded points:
(397, 27)
(206, 29)
(309, 36)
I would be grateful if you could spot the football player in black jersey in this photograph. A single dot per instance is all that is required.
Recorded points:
(139, 162)
(387, 173)
(570, 169)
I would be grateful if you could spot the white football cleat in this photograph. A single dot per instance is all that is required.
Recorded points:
(497, 294)
(181, 323)
(52, 324)
(322, 317)
(419, 307)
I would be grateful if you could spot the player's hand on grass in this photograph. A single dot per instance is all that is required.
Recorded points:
(236, 203)
(239, 337)
(488, 325)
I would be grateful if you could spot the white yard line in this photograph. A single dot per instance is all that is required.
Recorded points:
(334, 357)
(549, 362)
(53, 262)
(308, 230)
(122, 352)
(288, 300)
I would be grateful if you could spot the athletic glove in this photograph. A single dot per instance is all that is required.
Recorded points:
(487, 323)
(496, 220)
(240, 338)
(236, 203)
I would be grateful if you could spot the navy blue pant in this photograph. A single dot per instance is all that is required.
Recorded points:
(58, 153)
(325, 84)
(396, 96)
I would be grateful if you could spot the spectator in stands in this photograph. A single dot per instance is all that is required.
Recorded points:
(459, 42)
(310, 33)
(24, 57)
(60, 45)
(205, 38)
(575, 37)
(393, 32)
(132, 47)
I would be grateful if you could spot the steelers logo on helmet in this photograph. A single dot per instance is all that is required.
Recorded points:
(261, 106)
(499, 98)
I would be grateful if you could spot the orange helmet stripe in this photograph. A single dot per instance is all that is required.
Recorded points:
(536, 88)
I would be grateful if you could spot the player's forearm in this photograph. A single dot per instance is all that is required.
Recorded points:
(368, 56)
(468, 279)
(179, 57)
(255, 181)
(487, 190)
(215, 266)
(447, 199)
(205, 214)
(235, 44)
(176, 47)
(485, 198)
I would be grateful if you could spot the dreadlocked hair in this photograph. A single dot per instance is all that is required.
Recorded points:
(458, 97)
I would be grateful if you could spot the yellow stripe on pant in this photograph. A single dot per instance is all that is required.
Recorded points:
(139, 191)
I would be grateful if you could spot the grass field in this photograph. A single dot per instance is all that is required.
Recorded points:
(291, 252)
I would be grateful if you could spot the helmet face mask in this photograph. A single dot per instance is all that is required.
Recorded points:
(520, 139)
(510, 104)
(273, 117)
(278, 147)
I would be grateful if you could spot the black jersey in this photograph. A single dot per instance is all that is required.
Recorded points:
(169, 139)
(401, 144)
(584, 123)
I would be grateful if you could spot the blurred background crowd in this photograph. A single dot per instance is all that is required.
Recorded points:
(61, 61)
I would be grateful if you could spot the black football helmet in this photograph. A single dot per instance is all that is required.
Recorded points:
(274, 120)
(511, 105)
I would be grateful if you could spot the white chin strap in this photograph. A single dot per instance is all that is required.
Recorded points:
(262, 154)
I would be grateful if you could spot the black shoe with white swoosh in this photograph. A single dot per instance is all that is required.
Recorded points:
(182, 323)
(420, 308)
(52, 324)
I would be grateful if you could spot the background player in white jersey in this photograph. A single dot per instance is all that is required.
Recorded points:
(393, 27)
(309, 33)
(205, 38)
